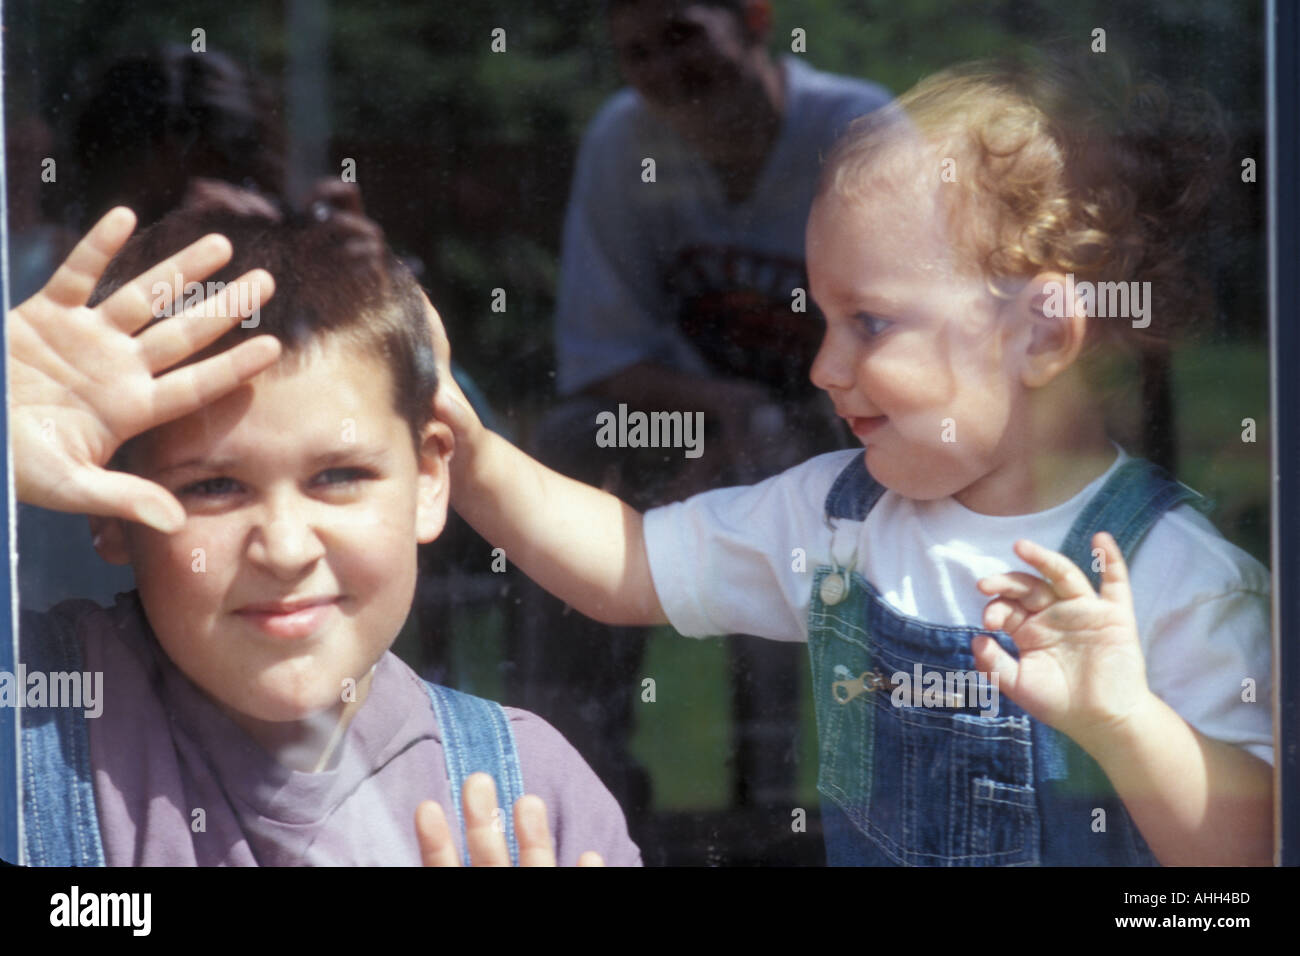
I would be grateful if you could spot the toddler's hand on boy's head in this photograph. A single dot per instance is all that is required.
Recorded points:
(449, 404)
(1081, 668)
(83, 381)
(484, 830)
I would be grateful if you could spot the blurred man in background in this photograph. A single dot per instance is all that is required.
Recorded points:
(682, 288)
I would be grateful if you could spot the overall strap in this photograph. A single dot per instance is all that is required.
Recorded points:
(476, 737)
(854, 492)
(1073, 785)
(59, 824)
(1128, 504)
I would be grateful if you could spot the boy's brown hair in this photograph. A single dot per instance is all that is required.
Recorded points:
(334, 277)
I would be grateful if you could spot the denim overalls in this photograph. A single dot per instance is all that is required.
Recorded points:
(60, 823)
(944, 786)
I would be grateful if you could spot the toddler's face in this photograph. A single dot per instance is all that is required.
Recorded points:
(296, 567)
(914, 356)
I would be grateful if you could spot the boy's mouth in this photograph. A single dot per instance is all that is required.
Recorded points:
(290, 620)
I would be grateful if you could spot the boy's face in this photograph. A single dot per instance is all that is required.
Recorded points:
(914, 357)
(296, 567)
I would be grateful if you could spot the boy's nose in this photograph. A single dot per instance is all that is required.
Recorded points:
(285, 541)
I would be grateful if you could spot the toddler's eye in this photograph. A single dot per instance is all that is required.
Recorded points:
(873, 325)
(211, 488)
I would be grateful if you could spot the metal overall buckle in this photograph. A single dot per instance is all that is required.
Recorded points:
(847, 688)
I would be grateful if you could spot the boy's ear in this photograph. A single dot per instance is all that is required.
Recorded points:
(437, 443)
(108, 535)
(1055, 328)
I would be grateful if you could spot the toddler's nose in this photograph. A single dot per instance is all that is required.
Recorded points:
(833, 367)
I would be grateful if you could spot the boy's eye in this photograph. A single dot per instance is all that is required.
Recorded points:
(221, 487)
(211, 488)
(873, 325)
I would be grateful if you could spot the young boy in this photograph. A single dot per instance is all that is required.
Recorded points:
(270, 498)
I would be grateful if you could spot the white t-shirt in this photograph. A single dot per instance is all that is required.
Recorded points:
(723, 563)
(624, 237)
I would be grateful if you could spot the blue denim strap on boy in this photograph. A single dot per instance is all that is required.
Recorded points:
(59, 825)
(60, 822)
(476, 737)
(944, 783)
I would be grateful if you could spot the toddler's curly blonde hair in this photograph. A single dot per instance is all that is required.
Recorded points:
(1056, 166)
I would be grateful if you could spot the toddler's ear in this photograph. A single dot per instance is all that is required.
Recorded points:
(108, 535)
(1056, 328)
(434, 489)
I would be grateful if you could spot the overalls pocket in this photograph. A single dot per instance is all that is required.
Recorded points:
(1004, 822)
(952, 788)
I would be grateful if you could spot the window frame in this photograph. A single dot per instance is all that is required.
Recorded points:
(1283, 237)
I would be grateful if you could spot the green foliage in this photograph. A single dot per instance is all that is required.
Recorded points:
(684, 737)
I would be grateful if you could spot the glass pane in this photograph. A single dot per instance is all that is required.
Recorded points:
(1017, 284)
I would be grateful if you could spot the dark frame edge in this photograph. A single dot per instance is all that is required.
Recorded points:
(1284, 292)
(10, 744)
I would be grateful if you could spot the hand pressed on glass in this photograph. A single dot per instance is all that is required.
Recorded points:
(83, 381)
(1081, 667)
(484, 833)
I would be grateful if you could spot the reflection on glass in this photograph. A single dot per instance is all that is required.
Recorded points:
(1031, 292)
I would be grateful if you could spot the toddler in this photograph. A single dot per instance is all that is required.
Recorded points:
(967, 248)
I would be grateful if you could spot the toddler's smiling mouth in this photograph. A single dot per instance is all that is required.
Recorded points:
(863, 427)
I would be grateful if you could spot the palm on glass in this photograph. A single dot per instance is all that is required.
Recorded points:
(82, 381)
(484, 830)
(1081, 668)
